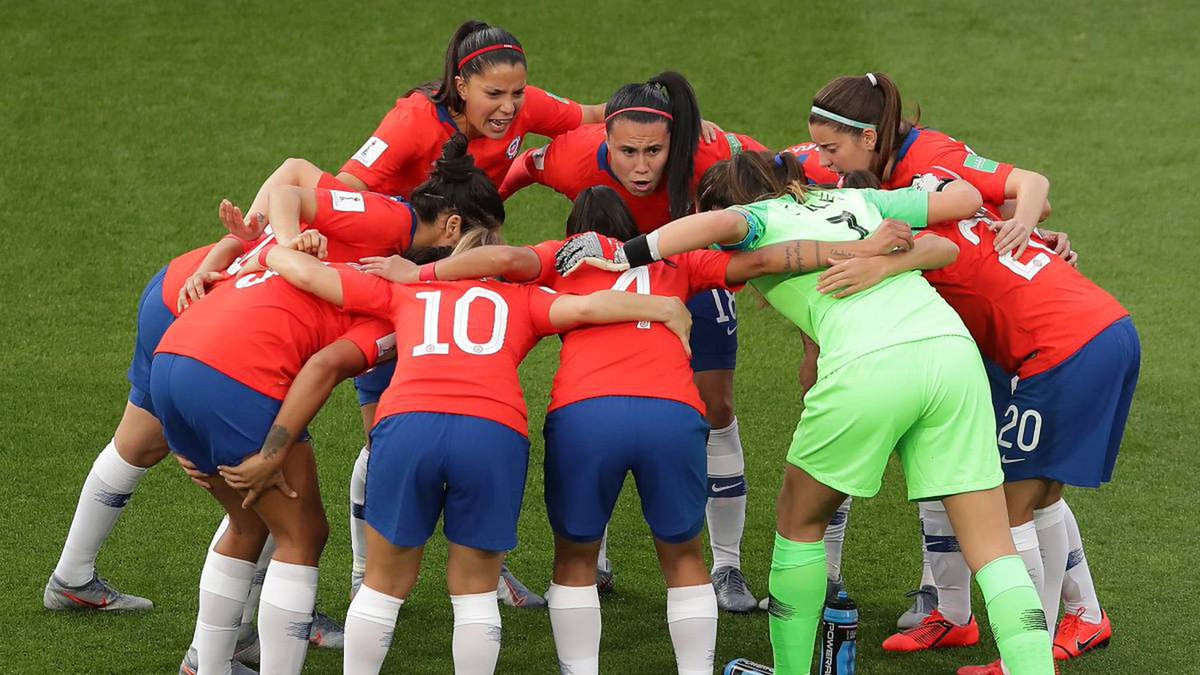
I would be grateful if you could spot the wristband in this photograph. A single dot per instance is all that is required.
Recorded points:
(427, 272)
(637, 251)
(262, 255)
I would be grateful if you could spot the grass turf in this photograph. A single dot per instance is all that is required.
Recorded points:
(126, 122)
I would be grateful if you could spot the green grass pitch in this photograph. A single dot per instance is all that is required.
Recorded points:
(122, 124)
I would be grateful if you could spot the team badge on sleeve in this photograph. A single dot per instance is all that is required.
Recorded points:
(370, 151)
(513, 147)
(981, 164)
(349, 202)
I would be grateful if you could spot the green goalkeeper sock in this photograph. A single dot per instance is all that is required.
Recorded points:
(1015, 612)
(797, 586)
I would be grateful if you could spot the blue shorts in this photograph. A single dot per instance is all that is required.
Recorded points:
(153, 319)
(714, 330)
(469, 468)
(592, 444)
(1066, 424)
(208, 417)
(370, 385)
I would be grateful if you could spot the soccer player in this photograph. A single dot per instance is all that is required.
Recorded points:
(452, 436)
(639, 375)
(648, 152)
(914, 380)
(138, 442)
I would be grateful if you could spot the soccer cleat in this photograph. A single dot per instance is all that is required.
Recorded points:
(935, 632)
(188, 665)
(96, 594)
(993, 668)
(325, 633)
(605, 583)
(515, 594)
(732, 593)
(1076, 636)
(925, 600)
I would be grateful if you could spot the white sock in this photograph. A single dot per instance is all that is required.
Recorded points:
(1078, 591)
(1052, 542)
(221, 527)
(358, 497)
(692, 621)
(926, 566)
(726, 508)
(252, 598)
(106, 491)
(370, 624)
(224, 582)
(289, 594)
(602, 561)
(947, 566)
(835, 537)
(1026, 540)
(476, 643)
(575, 621)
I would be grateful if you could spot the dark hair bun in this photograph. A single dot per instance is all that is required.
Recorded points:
(455, 165)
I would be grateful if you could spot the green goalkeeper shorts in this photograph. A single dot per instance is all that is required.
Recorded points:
(929, 400)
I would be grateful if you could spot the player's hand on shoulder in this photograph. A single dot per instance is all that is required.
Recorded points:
(709, 131)
(311, 242)
(233, 220)
(592, 249)
(194, 288)
(1012, 236)
(394, 268)
(1061, 243)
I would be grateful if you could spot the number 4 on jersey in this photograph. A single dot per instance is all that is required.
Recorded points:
(639, 278)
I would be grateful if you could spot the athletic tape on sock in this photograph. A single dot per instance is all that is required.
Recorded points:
(371, 605)
(290, 587)
(227, 577)
(118, 474)
(691, 602)
(475, 608)
(1049, 516)
(573, 597)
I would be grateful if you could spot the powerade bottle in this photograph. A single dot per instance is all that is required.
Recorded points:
(839, 634)
(747, 667)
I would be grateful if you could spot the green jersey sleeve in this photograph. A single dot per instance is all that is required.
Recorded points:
(908, 204)
(756, 224)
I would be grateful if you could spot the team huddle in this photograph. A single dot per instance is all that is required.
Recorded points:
(939, 321)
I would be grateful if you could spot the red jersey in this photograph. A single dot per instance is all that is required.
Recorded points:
(926, 155)
(598, 360)
(458, 343)
(179, 269)
(578, 160)
(1027, 315)
(361, 224)
(259, 330)
(400, 154)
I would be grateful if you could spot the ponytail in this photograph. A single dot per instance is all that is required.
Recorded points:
(872, 101)
(474, 47)
(458, 186)
(667, 97)
(600, 209)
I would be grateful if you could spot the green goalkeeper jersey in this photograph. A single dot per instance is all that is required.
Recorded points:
(900, 309)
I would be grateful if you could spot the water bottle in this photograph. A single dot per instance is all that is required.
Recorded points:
(747, 667)
(839, 633)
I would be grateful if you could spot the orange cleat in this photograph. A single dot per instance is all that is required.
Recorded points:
(935, 632)
(992, 668)
(1076, 636)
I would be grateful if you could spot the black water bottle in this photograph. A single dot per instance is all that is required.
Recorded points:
(839, 635)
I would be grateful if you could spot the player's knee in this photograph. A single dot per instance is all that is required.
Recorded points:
(143, 452)
(717, 394)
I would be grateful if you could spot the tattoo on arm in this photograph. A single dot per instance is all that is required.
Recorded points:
(277, 438)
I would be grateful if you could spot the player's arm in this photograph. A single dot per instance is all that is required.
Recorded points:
(1030, 190)
(294, 172)
(309, 391)
(1009, 207)
(304, 271)
(514, 263)
(847, 277)
(525, 170)
(211, 270)
(805, 255)
(604, 307)
(955, 200)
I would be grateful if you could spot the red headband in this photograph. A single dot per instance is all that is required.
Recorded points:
(464, 60)
(652, 111)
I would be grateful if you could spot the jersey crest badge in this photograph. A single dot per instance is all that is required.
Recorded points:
(513, 147)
